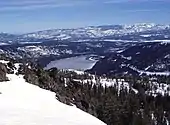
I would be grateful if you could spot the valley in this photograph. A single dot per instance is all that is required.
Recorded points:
(118, 74)
(84, 62)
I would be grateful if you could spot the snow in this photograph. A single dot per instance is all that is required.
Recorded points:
(146, 35)
(147, 68)
(118, 83)
(29, 43)
(63, 37)
(17, 66)
(2, 44)
(120, 51)
(158, 88)
(26, 104)
(167, 56)
(37, 51)
(4, 62)
(113, 40)
(162, 41)
(166, 73)
(135, 90)
(95, 32)
(156, 73)
(127, 58)
(77, 71)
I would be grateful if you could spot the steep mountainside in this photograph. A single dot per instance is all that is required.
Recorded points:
(146, 58)
(23, 103)
(118, 100)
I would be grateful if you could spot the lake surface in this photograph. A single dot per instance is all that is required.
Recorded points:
(77, 63)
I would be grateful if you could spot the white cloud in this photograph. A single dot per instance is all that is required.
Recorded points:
(37, 4)
(11, 5)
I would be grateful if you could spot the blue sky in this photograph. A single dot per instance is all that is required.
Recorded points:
(20, 16)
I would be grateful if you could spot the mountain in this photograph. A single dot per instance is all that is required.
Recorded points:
(31, 95)
(130, 33)
(49, 51)
(133, 47)
(24, 103)
(107, 31)
(6, 38)
(129, 84)
(144, 58)
(48, 45)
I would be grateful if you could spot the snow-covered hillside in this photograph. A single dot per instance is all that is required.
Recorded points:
(107, 98)
(97, 31)
(142, 32)
(24, 104)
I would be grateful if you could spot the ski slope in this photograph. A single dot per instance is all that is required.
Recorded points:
(24, 104)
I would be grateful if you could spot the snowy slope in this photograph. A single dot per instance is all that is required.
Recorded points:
(24, 104)
(98, 31)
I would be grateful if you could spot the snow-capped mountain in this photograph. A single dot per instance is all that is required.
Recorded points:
(132, 33)
(6, 38)
(100, 32)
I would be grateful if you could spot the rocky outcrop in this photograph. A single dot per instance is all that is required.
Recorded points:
(3, 72)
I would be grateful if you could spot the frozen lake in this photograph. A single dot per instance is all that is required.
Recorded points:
(77, 63)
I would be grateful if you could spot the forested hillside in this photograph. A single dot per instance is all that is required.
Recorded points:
(118, 100)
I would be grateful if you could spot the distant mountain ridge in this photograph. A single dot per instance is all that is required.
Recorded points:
(98, 31)
(134, 32)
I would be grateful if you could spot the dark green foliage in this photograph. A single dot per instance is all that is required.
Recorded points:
(106, 103)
